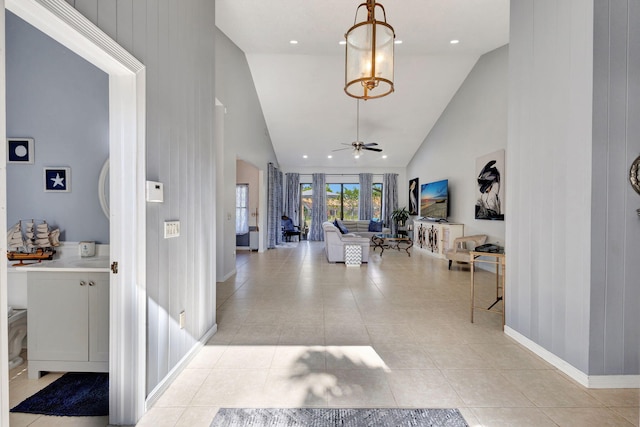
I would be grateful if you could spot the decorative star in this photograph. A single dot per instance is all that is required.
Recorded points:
(58, 180)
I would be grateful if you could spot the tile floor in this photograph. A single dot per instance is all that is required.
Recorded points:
(297, 331)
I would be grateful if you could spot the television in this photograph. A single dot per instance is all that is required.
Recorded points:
(434, 200)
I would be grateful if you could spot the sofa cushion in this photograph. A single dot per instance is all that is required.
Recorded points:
(340, 226)
(375, 226)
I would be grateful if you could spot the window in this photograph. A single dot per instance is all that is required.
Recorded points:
(342, 201)
(242, 208)
(376, 201)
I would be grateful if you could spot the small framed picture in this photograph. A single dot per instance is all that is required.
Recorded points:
(57, 179)
(20, 150)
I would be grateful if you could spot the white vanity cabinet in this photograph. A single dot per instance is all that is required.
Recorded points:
(68, 322)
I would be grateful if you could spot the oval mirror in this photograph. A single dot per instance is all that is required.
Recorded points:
(103, 188)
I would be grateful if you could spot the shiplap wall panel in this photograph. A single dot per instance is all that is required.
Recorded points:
(89, 8)
(631, 275)
(549, 76)
(124, 12)
(172, 38)
(108, 17)
(615, 341)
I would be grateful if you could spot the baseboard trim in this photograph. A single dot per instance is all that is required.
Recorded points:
(226, 276)
(180, 366)
(589, 381)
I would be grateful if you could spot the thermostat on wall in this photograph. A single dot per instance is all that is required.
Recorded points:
(155, 192)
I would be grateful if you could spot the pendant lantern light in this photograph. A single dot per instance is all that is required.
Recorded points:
(369, 55)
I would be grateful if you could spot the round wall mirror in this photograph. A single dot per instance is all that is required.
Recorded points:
(103, 188)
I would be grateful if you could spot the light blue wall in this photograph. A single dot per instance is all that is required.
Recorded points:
(61, 101)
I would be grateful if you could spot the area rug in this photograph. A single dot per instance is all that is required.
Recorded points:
(75, 394)
(343, 417)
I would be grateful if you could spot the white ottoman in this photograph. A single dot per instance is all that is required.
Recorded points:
(352, 255)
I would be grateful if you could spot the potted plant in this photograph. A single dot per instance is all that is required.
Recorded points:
(400, 216)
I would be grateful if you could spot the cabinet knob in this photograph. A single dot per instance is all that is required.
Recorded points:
(91, 283)
(83, 283)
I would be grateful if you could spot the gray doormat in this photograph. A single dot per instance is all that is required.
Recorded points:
(316, 417)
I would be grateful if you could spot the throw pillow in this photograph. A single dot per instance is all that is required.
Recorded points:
(341, 226)
(375, 226)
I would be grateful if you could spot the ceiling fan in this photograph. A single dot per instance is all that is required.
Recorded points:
(357, 145)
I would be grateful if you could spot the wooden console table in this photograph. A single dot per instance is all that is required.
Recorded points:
(499, 261)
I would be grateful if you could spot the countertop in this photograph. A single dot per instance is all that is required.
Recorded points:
(97, 264)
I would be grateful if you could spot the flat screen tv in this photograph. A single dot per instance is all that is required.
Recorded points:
(434, 200)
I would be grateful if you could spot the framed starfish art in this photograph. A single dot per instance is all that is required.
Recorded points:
(57, 179)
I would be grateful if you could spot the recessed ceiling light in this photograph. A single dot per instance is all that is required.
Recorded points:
(293, 41)
(305, 156)
(384, 156)
(357, 156)
(342, 42)
(398, 42)
(454, 41)
(329, 156)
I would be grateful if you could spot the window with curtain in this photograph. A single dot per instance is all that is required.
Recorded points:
(242, 208)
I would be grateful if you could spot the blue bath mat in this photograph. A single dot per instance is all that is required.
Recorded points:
(75, 394)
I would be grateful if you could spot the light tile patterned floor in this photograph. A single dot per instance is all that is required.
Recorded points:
(296, 331)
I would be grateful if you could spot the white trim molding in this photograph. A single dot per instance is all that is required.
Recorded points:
(589, 381)
(158, 390)
(127, 119)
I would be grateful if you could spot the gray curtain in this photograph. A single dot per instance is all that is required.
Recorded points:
(318, 206)
(365, 201)
(292, 197)
(274, 206)
(389, 196)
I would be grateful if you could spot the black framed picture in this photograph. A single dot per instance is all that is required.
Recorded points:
(20, 150)
(57, 179)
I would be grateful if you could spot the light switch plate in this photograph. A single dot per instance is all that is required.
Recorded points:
(171, 229)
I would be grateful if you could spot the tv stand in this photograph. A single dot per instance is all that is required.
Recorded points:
(436, 237)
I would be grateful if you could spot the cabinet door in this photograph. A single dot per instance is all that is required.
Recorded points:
(57, 317)
(99, 317)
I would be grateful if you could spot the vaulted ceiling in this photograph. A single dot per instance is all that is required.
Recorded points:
(300, 86)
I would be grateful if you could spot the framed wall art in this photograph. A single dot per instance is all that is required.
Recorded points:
(490, 176)
(57, 179)
(20, 151)
(413, 196)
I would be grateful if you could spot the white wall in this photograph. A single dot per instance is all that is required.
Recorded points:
(175, 41)
(473, 124)
(245, 138)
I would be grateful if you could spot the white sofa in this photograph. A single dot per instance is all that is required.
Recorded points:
(335, 241)
(361, 228)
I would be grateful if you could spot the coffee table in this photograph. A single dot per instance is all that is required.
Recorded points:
(391, 241)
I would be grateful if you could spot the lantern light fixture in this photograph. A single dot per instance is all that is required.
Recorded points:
(369, 55)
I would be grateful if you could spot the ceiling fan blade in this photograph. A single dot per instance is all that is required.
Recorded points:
(372, 149)
(370, 144)
(340, 149)
(349, 144)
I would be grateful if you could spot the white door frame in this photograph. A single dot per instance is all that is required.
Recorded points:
(127, 116)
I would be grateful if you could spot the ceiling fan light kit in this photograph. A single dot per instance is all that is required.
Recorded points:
(369, 55)
(359, 146)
